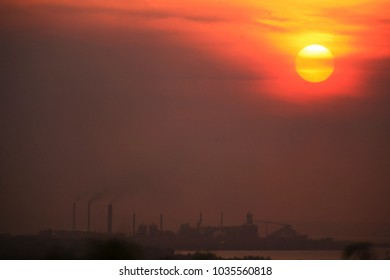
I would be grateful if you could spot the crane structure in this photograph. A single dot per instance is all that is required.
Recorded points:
(267, 223)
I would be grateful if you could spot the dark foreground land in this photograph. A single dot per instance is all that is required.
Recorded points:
(49, 247)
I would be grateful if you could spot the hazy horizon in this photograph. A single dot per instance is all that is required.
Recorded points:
(180, 108)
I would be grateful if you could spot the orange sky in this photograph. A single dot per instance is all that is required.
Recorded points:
(198, 97)
(262, 37)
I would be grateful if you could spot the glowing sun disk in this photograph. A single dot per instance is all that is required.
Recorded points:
(314, 63)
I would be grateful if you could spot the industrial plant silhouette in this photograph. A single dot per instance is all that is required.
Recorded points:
(152, 241)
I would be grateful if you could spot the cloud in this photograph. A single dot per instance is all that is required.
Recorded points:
(144, 12)
(272, 26)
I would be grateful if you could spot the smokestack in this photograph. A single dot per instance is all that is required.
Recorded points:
(221, 219)
(161, 223)
(200, 220)
(133, 224)
(109, 219)
(249, 218)
(74, 217)
(89, 216)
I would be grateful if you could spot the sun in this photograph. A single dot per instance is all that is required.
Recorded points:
(314, 63)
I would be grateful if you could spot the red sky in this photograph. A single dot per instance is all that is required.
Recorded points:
(187, 106)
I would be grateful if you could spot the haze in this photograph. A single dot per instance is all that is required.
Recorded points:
(165, 107)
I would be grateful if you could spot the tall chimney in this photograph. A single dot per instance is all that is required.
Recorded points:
(249, 218)
(89, 216)
(221, 219)
(133, 224)
(161, 223)
(109, 219)
(200, 220)
(74, 217)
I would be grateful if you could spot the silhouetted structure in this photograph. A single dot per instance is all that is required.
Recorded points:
(199, 224)
(161, 223)
(133, 224)
(109, 219)
(74, 244)
(74, 217)
(220, 237)
(89, 216)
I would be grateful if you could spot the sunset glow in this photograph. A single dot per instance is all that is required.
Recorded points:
(314, 63)
(181, 106)
(261, 39)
